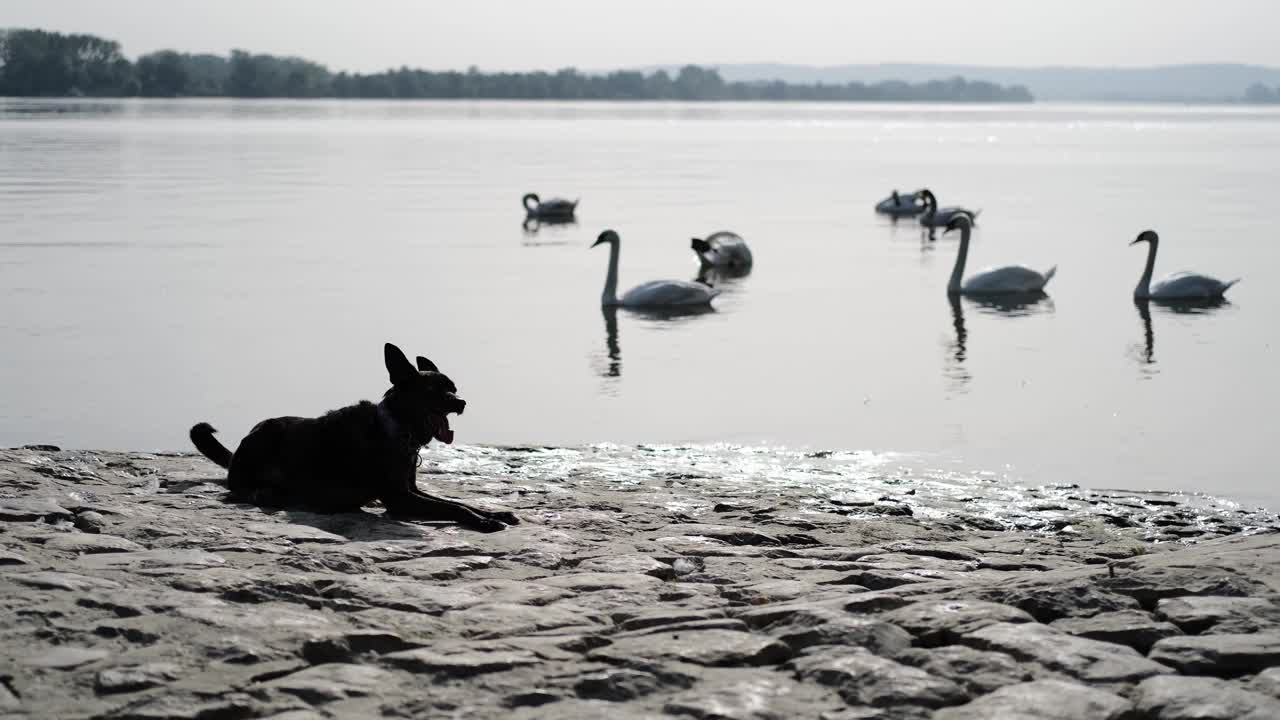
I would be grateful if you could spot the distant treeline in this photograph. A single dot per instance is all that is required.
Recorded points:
(45, 64)
(1259, 93)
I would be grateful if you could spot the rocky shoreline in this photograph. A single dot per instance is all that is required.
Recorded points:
(643, 583)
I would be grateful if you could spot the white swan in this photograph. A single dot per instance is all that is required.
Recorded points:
(723, 249)
(1178, 286)
(900, 205)
(654, 294)
(936, 217)
(1008, 280)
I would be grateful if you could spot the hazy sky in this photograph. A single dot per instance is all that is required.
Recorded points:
(600, 34)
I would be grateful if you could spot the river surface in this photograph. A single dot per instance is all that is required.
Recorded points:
(164, 262)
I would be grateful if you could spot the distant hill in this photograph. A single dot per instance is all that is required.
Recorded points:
(1176, 83)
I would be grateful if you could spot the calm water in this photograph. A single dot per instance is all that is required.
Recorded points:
(167, 262)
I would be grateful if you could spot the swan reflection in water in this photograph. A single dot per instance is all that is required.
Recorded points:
(609, 364)
(1145, 354)
(533, 225)
(1011, 305)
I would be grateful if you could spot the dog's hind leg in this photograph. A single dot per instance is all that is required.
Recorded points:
(412, 506)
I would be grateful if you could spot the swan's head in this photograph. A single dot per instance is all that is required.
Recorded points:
(1146, 236)
(700, 246)
(960, 222)
(608, 236)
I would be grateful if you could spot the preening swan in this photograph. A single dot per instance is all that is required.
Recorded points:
(549, 211)
(723, 249)
(900, 205)
(654, 294)
(1178, 286)
(933, 216)
(1012, 279)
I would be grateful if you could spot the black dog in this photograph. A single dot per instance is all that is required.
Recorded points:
(350, 457)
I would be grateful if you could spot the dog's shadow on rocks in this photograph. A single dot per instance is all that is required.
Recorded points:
(366, 525)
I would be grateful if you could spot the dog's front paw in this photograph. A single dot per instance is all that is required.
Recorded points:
(504, 517)
(486, 525)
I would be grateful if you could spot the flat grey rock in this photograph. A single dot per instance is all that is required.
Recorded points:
(1222, 615)
(70, 582)
(132, 678)
(618, 685)
(943, 623)
(1202, 698)
(89, 544)
(627, 563)
(333, 681)
(865, 679)
(1042, 700)
(460, 661)
(827, 626)
(65, 657)
(1225, 656)
(1132, 628)
(976, 671)
(1267, 682)
(704, 647)
(31, 510)
(1081, 658)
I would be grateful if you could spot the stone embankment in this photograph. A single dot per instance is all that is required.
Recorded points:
(129, 589)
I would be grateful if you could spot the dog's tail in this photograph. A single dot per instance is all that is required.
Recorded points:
(202, 437)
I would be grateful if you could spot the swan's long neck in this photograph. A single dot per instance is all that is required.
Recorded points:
(1144, 282)
(957, 272)
(610, 295)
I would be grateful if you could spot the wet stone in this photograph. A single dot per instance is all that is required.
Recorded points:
(1081, 658)
(1202, 698)
(865, 679)
(704, 647)
(90, 544)
(943, 623)
(618, 685)
(134, 677)
(1132, 628)
(976, 671)
(330, 682)
(1042, 700)
(460, 662)
(1220, 615)
(1267, 682)
(32, 510)
(1226, 656)
(824, 626)
(627, 563)
(65, 657)
(90, 521)
(12, 558)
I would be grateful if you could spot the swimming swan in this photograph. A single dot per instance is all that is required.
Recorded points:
(900, 205)
(722, 249)
(1178, 286)
(935, 217)
(998, 281)
(654, 294)
(551, 210)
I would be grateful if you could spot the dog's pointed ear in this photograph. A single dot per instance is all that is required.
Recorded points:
(425, 365)
(397, 365)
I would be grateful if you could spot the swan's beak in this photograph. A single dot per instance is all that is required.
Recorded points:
(597, 242)
(1136, 241)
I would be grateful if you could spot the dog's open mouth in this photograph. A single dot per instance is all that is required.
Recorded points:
(438, 427)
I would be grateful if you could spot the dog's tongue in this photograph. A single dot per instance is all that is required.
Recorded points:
(444, 433)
